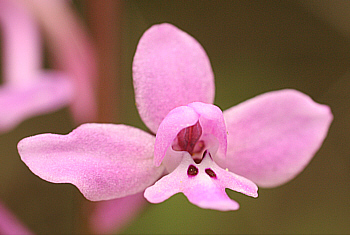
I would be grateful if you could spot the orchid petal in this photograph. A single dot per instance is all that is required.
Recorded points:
(45, 94)
(112, 215)
(104, 161)
(170, 69)
(205, 191)
(212, 122)
(272, 137)
(72, 51)
(177, 119)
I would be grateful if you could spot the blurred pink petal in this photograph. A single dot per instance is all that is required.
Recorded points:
(104, 161)
(9, 224)
(71, 50)
(49, 92)
(21, 44)
(272, 137)
(170, 69)
(28, 90)
(203, 184)
(113, 215)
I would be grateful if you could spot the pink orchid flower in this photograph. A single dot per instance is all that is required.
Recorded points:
(197, 149)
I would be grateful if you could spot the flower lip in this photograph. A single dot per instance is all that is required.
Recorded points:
(203, 184)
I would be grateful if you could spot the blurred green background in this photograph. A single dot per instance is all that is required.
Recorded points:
(254, 47)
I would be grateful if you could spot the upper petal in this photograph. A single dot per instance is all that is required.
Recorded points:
(105, 161)
(272, 137)
(170, 69)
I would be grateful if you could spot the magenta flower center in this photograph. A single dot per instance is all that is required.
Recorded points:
(188, 140)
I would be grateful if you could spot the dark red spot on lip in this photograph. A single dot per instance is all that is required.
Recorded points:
(210, 172)
(192, 170)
